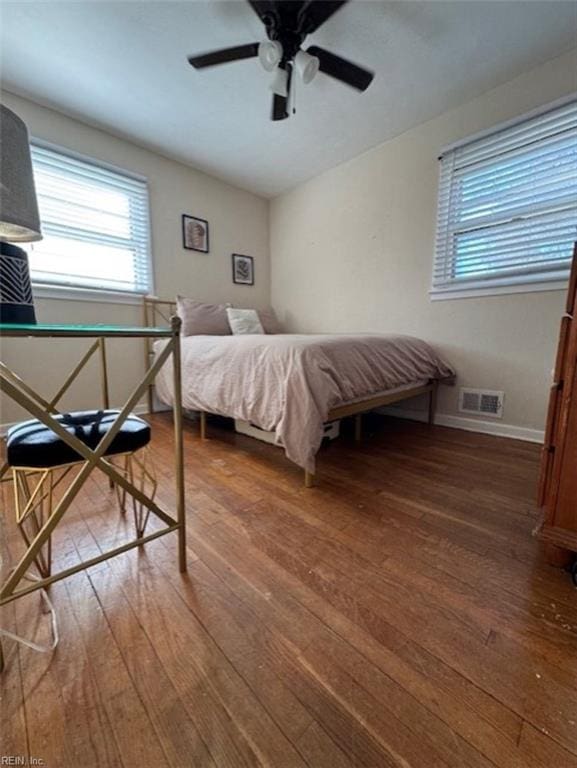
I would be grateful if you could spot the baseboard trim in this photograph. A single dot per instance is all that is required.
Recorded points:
(471, 425)
(442, 419)
(140, 410)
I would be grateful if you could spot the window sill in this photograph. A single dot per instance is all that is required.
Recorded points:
(439, 294)
(67, 293)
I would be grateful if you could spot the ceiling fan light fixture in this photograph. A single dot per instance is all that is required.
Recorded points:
(307, 66)
(269, 54)
(279, 84)
(287, 24)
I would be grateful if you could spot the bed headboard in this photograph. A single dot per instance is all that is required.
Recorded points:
(155, 313)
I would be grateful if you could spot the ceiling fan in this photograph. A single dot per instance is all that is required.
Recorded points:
(287, 23)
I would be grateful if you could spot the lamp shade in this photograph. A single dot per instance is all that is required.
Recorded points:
(19, 219)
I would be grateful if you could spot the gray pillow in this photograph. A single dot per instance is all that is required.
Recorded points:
(200, 319)
(269, 320)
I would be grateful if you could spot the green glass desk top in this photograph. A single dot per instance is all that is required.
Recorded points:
(8, 330)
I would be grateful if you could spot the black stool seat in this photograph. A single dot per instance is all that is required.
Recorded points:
(32, 444)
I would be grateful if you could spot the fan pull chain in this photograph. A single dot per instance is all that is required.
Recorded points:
(293, 97)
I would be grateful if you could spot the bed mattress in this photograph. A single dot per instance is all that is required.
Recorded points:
(288, 383)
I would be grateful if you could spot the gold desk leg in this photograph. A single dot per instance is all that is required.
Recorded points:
(178, 444)
(104, 374)
(104, 384)
(147, 351)
(31, 505)
(72, 376)
(93, 458)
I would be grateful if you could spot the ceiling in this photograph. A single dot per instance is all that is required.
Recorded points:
(122, 66)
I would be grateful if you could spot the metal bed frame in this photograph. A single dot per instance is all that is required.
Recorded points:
(155, 310)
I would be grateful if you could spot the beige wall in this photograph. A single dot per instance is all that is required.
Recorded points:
(352, 250)
(238, 223)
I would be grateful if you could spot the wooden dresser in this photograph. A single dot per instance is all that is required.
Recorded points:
(558, 480)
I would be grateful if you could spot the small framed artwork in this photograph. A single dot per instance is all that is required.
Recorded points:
(194, 233)
(242, 269)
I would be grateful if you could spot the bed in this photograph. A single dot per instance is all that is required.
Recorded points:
(292, 384)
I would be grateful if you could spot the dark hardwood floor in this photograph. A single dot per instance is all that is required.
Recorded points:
(399, 614)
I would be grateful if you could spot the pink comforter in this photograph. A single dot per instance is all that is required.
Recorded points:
(288, 383)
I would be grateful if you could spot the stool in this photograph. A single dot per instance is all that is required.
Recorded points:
(40, 460)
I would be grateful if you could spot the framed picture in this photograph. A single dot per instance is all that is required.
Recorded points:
(194, 233)
(242, 269)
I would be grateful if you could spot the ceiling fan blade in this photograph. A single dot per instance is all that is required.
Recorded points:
(316, 12)
(224, 55)
(341, 69)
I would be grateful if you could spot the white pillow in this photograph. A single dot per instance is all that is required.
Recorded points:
(243, 321)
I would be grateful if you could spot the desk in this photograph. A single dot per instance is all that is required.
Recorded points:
(45, 410)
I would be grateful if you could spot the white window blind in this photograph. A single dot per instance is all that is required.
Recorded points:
(507, 211)
(95, 226)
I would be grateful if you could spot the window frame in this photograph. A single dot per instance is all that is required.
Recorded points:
(65, 291)
(504, 284)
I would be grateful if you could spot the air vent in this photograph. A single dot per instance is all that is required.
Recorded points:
(483, 402)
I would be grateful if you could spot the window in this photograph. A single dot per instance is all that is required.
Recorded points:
(94, 224)
(507, 211)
